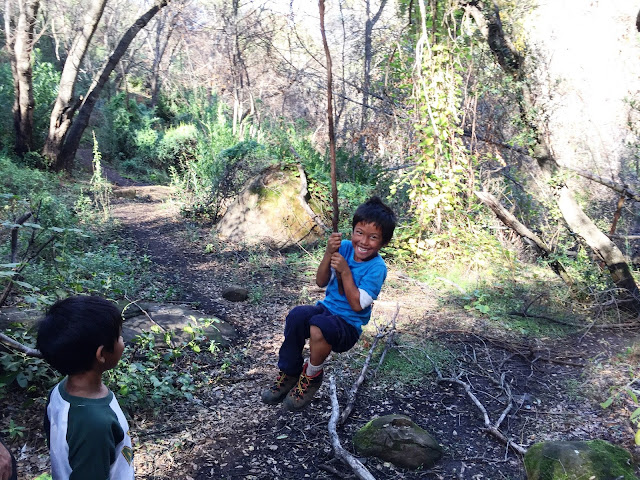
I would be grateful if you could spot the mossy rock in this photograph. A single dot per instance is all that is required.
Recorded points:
(270, 211)
(397, 439)
(590, 460)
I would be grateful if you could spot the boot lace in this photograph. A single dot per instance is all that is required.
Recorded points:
(301, 388)
(279, 381)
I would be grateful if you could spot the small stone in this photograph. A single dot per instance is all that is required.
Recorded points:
(235, 293)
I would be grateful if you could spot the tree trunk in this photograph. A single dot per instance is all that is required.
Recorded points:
(72, 140)
(512, 222)
(20, 47)
(65, 106)
(601, 245)
(164, 30)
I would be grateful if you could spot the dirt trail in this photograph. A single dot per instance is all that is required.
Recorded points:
(227, 433)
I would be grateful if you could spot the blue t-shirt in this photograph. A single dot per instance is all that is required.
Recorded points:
(368, 276)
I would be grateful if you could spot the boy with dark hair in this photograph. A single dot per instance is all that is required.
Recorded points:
(353, 272)
(87, 432)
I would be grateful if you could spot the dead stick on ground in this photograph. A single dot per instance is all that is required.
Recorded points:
(389, 341)
(354, 388)
(134, 302)
(358, 468)
(488, 426)
(351, 398)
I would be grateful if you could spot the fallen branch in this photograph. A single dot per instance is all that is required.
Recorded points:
(354, 388)
(135, 302)
(389, 342)
(351, 397)
(490, 428)
(10, 342)
(512, 222)
(358, 468)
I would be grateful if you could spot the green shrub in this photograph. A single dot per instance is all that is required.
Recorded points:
(46, 80)
(7, 132)
(178, 146)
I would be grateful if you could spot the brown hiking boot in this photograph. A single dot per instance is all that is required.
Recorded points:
(301, 395)
(276, 392)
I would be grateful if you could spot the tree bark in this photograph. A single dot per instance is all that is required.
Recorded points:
(20, 47)
(65, 107)
(601, 245)
(72, 140)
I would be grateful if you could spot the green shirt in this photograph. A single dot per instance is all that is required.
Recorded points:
(88, 437)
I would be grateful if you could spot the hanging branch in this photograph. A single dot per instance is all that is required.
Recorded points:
(358, 468)
(332, 134)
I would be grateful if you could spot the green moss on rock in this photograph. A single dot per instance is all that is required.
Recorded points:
(592, 460)
(397, 439)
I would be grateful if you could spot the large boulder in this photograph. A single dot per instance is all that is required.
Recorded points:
(271, 210)
(397, 439)
(593, 460)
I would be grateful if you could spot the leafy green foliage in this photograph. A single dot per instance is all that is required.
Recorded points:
(45, 81)
(99, 186)
(158, 368)
(178, 146)
(23, 370)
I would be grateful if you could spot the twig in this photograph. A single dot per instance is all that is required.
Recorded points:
(389, 342)
(14, 235)
(354, 388)
(488, 426)
(358, 468)
(10, 342)
(135, 302)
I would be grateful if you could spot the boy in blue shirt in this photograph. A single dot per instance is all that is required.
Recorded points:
(87, 432)
(353, 272)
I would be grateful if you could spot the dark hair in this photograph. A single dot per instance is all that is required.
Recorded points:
(376, 212)
(74, 328)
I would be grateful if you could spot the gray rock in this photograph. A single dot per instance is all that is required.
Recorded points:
(175, 318)
(397, 439)
(593, 459)
(235, 293)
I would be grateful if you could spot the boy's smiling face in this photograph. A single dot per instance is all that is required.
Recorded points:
(366, 239)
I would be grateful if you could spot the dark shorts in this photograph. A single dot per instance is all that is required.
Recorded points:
(341, 335)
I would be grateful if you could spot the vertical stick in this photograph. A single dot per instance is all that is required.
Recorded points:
(332, 135)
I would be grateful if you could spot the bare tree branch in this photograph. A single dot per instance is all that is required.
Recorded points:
(354, 388)
(490, 428)
(358, 468)
(10, 342)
